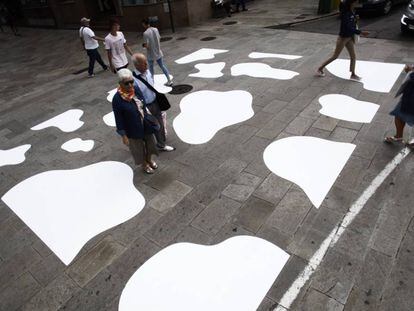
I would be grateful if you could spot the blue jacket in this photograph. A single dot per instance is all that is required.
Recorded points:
(348, 25)
(127, 117)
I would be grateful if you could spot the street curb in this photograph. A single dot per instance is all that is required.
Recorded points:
(286, 25)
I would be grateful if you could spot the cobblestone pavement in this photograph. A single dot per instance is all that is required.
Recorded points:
(207, 193)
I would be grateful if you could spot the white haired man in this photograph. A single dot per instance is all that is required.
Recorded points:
(141, 72)
(90, 43)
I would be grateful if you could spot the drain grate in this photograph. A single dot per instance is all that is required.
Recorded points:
(163, 39)
(80, 71)
(208, 39)
(181, 89)
(230, 23)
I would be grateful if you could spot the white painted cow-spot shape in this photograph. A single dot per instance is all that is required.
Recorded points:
(259, 70)
(14, 156)
(347, 108)
(375, 76)
(78, 144)
(67, 121)
(66, 208)
(233, 275)
(159, 81)
(312, 163)
(111, 94)
(201, 54)
(209, 71)
(204, 113)
(256, 55)
(109, 119)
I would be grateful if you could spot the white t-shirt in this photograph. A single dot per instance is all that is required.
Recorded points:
(116, 45)
(86, 33)
(152, 38)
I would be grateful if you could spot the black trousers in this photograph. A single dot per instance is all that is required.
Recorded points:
(94, 56)
(242, 3)
(154, 108)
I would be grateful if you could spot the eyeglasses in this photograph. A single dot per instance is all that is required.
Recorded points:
(128, 82)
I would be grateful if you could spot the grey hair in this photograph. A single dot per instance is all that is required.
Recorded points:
(124, 74)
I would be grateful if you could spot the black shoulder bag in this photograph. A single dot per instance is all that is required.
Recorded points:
(162, 100)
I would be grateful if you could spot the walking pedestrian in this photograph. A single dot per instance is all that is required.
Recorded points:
(241, 3)
(347, 37)
(8, 17)
(404, 110)
(143, 77)
(153, 46)
(90, 43)
(115, 45)
(130, 113)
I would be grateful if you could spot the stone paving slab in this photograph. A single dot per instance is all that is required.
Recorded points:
(208, 193)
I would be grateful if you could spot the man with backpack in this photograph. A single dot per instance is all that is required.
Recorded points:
(90, 43)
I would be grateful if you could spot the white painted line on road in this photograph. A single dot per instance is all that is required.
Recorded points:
(292, 293)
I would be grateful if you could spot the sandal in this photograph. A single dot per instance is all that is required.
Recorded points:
(153, 165)
(148, 170)
(393, 139)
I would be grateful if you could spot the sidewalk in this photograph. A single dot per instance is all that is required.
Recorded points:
(207, 193)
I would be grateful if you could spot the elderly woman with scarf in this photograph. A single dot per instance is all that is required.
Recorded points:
(404, 111)
(131, 117)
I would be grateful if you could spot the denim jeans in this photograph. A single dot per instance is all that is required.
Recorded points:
(160, 63)
(94, 56)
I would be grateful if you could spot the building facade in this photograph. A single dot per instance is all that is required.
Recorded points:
(67, 13)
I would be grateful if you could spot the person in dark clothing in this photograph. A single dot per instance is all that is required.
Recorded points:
(7, 16)
(241, 3)
(404, 110)
(347, 36)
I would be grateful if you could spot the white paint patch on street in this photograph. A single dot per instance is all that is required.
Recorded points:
(292, 293)
(256, 55)
(201, 54)
(111, 94)
(109, 119)
(259, 70)
(209, 71)
(13, 156)
(67, 121)
(66, 208)
(312, 163)
(78, 144)
(159, 81)
(377, 77)
(347, 108)
(233, 275)
(204, 113)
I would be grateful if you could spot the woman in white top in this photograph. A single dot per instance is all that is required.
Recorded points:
(90, 44)
(154, 53)
(115, 45)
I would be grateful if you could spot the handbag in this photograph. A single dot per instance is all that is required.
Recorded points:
(162, 100)
(151, 124)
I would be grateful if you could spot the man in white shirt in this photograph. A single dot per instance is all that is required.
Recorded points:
(153, 46)
(150, 98)
(115, 45)
(90, 43)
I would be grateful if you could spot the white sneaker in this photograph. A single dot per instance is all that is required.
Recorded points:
(166, 148)
(169, 83)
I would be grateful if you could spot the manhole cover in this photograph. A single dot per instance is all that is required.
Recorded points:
(208, 39)
(163, 39)
(181, 89)
(230, 23)
(181, 38)
(80, 71)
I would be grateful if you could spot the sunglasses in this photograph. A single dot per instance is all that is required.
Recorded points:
(128, 82)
